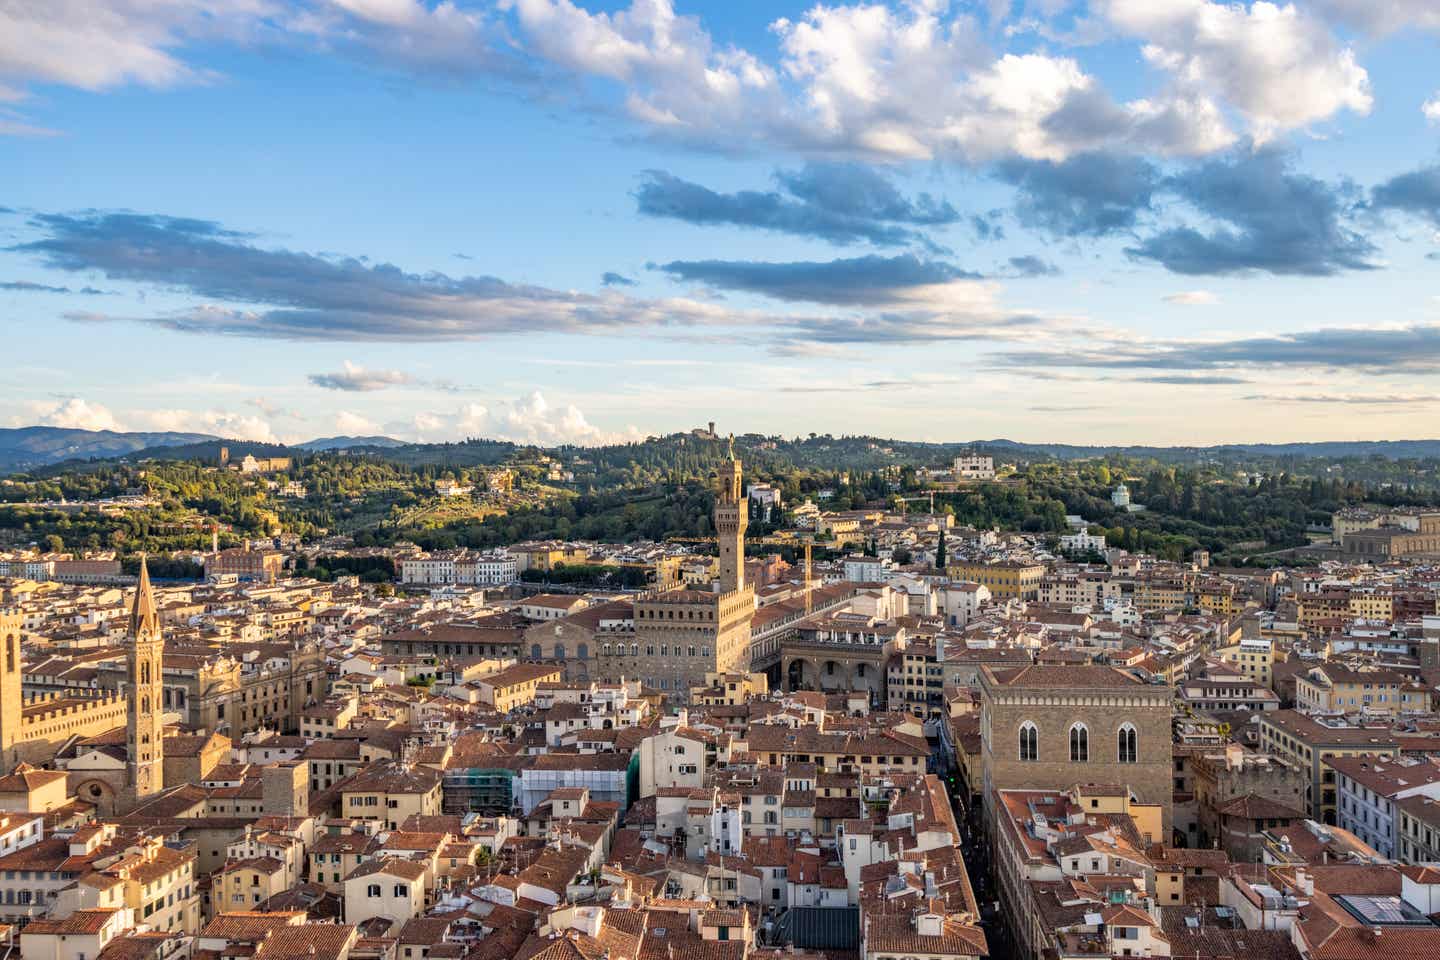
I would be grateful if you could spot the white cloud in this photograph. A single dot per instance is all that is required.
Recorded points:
(1431, 108)
(220, 423)
(1192, 298)
(75, 414)
(96, 44)
(353, 424)
(673, 73)
(912, 80)
(78, 413)
(1280, 68)
(355, 378)
(409, 33)
(909, 83)
(529, 418)
(1382, 16)
(903, 82)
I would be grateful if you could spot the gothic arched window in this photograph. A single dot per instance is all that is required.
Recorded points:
(1126, 747)
(1029, 741)
(145, 672)
(559, 651)
(10, 654)
(534, 651)
(1079, 743)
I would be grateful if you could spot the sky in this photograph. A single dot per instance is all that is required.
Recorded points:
(1087, 221)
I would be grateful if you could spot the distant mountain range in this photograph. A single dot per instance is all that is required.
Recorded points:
(1391, 449)
(33, 448)
(23, 448)
(345, 443)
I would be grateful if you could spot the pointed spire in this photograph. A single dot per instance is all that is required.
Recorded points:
(143, 618)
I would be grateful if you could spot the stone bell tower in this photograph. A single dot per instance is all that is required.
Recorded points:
(145, 722)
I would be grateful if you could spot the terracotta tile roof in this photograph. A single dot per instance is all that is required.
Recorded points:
(387, 777)
(390, 866)
(250, 924)
(312, 941)
(1067, 676)
(897, 934)
(82, 922)
(425, 930)
(1252, 806)
(26, 778)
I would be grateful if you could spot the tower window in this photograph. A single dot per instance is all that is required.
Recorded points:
(1125, 744)
(1029, 742)
(1079, 744)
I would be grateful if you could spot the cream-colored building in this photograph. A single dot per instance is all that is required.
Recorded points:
(516, 686)
(80, 936)
(1253, 657)
(29, 789)
(729, 689)
(392, 793)
(1336, 688)
(333, 857)
(392, 888)
(244, 884)
(678, 757)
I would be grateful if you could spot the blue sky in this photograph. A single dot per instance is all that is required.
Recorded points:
(1127, 221)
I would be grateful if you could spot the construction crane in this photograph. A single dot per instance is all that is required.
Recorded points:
(928, 496)
(805, 541)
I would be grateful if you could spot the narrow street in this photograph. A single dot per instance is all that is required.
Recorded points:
(977, 862)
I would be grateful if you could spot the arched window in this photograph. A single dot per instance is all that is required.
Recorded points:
(534, 651)
(582, 651)
(559, 651)
(1079, 744)
(1126, 750)
(1029, 741)
(145, 672)
(10, 654)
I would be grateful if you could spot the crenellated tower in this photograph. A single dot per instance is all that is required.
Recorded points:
(145, 722)
(731, 518)
(11, 694)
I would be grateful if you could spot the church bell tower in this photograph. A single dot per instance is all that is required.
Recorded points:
(145, 722)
